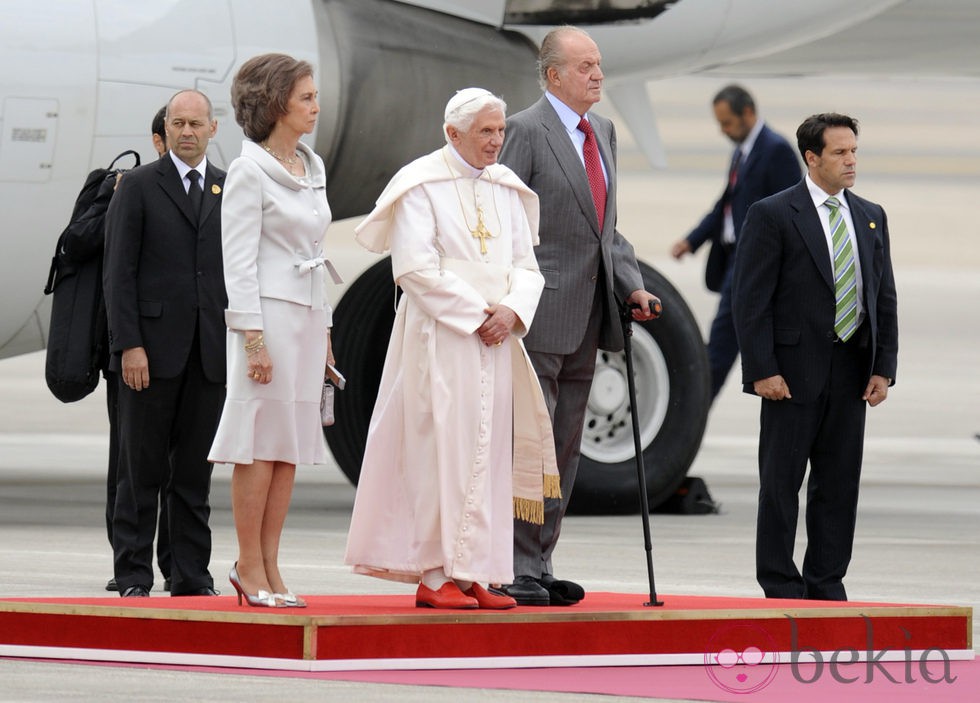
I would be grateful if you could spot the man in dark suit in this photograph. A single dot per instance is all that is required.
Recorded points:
(94, 223)
(165, 298)
(816, 316)
(762, 164)
(568, 157)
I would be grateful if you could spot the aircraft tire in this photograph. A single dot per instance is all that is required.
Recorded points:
(362, 326)
(673, 391)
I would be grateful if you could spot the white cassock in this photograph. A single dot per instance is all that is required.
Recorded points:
(435, 489)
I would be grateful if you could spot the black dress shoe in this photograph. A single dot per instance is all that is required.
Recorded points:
(137, 591)
(562, 592)
(525, 590)
(111, 586)
(206, 591)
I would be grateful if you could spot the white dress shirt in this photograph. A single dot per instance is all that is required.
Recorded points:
(183, 169)
(570, 119)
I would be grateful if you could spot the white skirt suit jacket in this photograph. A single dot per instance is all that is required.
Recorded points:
(273, 226)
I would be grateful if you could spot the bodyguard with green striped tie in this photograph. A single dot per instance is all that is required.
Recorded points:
(816, 317)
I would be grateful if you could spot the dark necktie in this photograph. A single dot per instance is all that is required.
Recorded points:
(733, 170)
(593, 169)
(194, 192)
(732, 179)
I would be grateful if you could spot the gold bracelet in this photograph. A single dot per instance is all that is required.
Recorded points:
(255, 344)
(252, 350)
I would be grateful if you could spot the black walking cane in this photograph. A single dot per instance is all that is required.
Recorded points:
(625, 313)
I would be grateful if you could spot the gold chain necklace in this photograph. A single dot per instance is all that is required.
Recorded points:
(282, 159)
(480, 231)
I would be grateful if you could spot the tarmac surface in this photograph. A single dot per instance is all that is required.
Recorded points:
(919, 515)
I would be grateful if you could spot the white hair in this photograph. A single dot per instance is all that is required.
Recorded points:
(466, 104)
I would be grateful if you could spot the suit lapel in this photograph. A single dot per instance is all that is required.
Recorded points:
(864, 235)
(753, 158)
(569, 161)
(213, 184)
(807, 222)
(173, 186)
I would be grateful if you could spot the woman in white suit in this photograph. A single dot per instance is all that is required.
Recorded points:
(274, 217)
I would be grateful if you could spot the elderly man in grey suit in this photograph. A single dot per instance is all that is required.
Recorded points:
(568, 157)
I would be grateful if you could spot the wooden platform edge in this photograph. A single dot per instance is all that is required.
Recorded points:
(298, 618)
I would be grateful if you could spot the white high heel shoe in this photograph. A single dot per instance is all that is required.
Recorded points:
(289, 600)
(262, 599)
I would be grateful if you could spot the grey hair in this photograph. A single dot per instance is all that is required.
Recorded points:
(552, 54)
(462, 116)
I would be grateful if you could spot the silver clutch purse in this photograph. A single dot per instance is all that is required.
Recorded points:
(333, 381)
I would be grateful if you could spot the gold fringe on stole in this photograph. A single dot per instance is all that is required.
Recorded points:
(552, 486)
(535, 473)
(528, 510)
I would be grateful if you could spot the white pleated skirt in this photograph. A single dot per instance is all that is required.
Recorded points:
(278, 421)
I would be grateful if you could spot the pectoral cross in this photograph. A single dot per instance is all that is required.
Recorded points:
(481, 232)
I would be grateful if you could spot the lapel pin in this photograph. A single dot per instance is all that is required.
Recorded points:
(870, 224)
(217, 189)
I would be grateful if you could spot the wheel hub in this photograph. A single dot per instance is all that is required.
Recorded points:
(609, 391)
(608, 436)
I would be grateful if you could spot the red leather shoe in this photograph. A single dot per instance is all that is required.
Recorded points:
(448, 596)
(487, 600)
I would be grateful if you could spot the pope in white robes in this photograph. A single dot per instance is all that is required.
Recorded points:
(458, 401)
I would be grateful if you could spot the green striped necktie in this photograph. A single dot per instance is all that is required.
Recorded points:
(845, 278)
